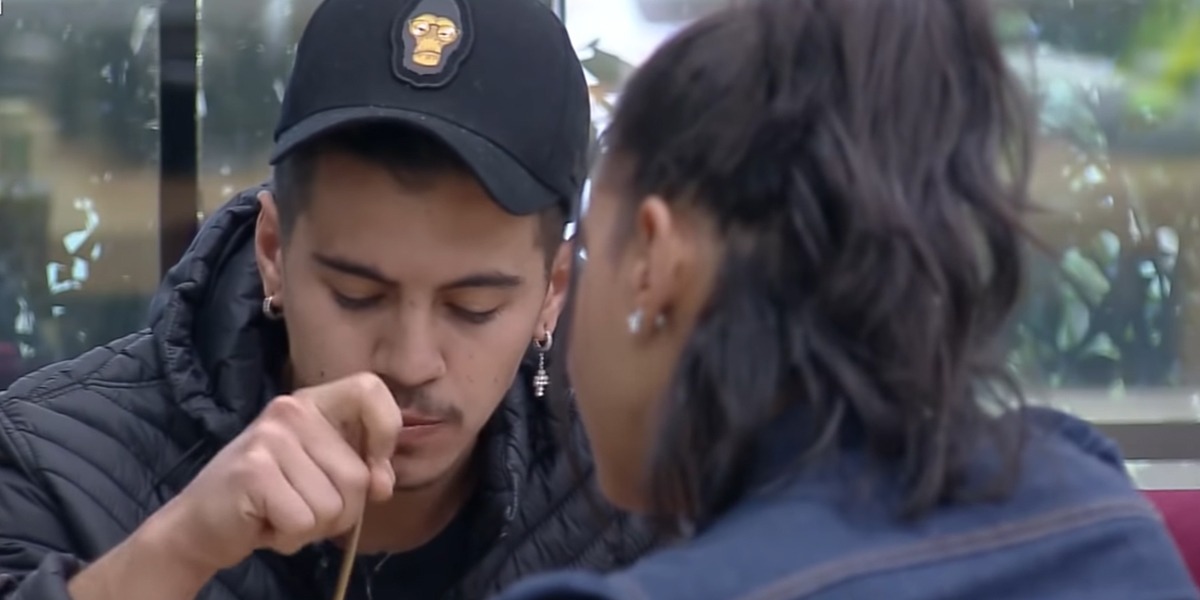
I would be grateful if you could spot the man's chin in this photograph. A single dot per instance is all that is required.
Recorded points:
(414, 486)
(417, 475)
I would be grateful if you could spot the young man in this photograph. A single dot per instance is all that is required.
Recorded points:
(365, 337)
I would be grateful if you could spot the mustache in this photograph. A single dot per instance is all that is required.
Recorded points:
(421, 401)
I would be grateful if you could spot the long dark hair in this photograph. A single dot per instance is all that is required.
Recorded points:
(866, 162)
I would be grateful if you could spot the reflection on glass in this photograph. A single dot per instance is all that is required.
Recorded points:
(1115, 305)
(246, 53)
(78, 181)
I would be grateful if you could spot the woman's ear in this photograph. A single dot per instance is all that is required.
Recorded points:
(659, 256)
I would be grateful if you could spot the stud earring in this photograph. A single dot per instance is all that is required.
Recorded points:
(270, 310)
(541, 379)
(635, 319)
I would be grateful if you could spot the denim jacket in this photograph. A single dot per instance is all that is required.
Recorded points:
(1073, 527)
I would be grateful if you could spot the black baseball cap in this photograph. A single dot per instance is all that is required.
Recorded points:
(498, 81)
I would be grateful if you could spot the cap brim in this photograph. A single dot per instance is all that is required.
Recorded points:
(509, 183)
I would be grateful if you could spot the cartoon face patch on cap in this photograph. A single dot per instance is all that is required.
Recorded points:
(430, 39)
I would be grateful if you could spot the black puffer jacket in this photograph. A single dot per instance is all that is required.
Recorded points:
(89, 448)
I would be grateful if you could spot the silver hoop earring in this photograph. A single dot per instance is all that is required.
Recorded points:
(541, 379)
(270, 311)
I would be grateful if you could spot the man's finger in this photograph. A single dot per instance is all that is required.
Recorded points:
(282, 507)
(325, 499)
(340, 462)
(362, 402)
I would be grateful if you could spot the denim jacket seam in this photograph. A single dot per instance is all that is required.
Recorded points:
(814, 579)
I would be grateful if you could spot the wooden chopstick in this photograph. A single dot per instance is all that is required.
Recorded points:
(351, 551)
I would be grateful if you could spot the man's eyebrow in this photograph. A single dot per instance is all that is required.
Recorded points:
(352, 268)
(489, 279)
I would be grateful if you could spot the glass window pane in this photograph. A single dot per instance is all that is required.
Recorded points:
(1165, 475)
(1111, 326)
(78, 176)
(246, 53)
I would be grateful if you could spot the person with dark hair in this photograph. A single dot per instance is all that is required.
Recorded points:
(804, 242)
(358, 353)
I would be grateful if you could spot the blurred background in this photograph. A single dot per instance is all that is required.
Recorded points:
(123, 122)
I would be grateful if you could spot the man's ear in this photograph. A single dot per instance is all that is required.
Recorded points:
(268, 247)
(556, 293)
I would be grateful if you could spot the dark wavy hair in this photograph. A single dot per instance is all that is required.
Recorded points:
(867, 164)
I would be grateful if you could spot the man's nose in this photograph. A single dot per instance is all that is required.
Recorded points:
(410, 353)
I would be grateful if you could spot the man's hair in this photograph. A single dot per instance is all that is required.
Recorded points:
(409, 154)
(867, 166)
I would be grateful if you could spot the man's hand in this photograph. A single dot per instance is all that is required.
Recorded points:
(301, 472)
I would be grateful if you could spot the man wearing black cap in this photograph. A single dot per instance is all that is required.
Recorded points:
(367, 339)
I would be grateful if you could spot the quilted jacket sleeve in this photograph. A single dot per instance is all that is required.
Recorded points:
(34, 564)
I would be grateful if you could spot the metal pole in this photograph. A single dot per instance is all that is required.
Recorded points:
(178, 181)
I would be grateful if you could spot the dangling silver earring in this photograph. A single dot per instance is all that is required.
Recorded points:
(541, 379)
(270, 311)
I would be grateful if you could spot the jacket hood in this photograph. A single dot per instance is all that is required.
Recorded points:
(216, 346)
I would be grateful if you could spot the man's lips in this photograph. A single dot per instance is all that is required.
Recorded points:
(420, 421)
